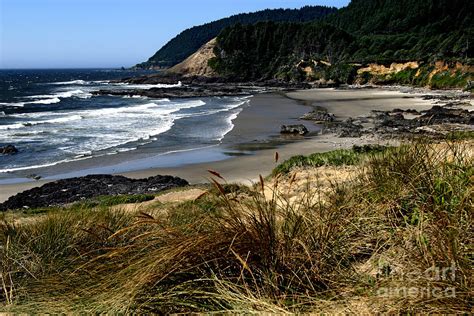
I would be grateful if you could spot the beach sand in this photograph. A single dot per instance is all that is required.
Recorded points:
(256, 127)
(359, 102)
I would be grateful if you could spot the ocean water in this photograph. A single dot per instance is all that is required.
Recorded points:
(52, 117)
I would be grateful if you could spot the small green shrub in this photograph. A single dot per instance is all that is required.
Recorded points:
(338, 157)
(445, 79)
(111, 200)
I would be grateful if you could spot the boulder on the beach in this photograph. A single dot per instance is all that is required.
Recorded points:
(319, 116)
(387, 119)
(67, 191)
(349, 128)
(8, 150)
(294, 129)
(438, 115)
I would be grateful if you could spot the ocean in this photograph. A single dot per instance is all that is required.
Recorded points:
(52, 117)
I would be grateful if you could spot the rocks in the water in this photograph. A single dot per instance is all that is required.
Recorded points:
(71, 190)
(195, 86)
(8, 150)
(204, 81)
(180, 92)
(34, 176)
(319, 116)
(294, 129)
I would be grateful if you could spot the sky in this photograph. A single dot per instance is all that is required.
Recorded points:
(108, 33)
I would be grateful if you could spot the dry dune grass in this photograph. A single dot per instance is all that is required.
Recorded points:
(392, 234)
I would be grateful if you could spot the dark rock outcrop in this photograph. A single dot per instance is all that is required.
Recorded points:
(439, 115)
(409, 111)
(199, 86)
(71, 190)
(294, 129)
(180, 92)
(319, 116)
(8, 150)
(349, 128)
(394, 120)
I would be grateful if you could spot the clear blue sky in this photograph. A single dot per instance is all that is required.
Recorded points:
(108, 33)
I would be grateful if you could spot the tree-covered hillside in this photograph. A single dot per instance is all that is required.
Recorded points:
(266, 49)
(190, 40)
(401, 30)
(382, 31)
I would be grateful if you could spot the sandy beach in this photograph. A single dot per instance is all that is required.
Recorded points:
(256, 127)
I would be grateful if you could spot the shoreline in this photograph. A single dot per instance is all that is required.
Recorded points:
(253, 127)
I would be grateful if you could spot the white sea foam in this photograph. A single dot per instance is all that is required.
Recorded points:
(39, 166)
(46, 101)
(11, 126)
(49, 98)
(76, 82)
(14, 104)
(121, 128)
(63, 94)
(230, 124)
(59, 120)
(33, 123)
(149, 86)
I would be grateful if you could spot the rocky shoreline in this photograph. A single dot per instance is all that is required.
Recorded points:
(67, 191)
(447, 114)
(198, 87)
(447, 117)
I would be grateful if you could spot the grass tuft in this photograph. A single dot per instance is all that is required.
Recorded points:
(348, 157)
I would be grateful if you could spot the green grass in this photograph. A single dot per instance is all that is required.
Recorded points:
(97, 202)
(445, 79)
(111, 200)
(460, 135)
(338, 157)
(421, 77)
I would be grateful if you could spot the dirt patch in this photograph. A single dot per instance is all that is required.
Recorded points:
(376, 69)
(180, 196)
(197, 63)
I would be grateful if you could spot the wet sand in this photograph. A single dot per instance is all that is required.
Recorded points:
(257, 126)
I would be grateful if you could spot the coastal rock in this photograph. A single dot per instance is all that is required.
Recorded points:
(8, 150)
(349, 129)
(71, 190)
(319, 116)
(387, 119)
(394, 122)
(180, 92)
(34, 176)
(294, 129)
(409, 111)
(439, 115)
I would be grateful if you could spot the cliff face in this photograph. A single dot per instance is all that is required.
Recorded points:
(394, 68)
(197, 63)
(438, 75)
